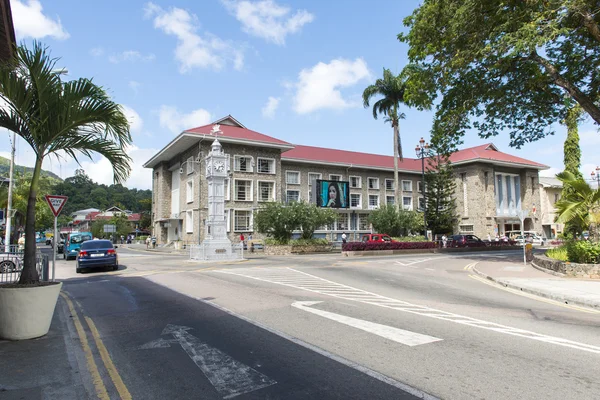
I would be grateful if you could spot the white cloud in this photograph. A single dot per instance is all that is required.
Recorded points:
(134, 85)
(269, 109)
(170, 118)
(267, 19)
(97, 52)
(550, 172)
(131, 56)
(30, 22)
(319, 87)
(589, 138)
(136, 123)
(193, 50)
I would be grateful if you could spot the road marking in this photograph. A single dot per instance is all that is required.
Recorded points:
(470, 267)
(397, 335)
(411, 261)
(91, 364)
(533, 296)
(108, 363)
(359, 295)
(229, 377)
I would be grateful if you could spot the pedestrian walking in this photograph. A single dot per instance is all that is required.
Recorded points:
(343, 237)
(444, 240)
(148, 242)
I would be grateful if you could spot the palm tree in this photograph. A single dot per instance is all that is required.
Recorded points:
(580, 207)
(393, 90)
(64, 119)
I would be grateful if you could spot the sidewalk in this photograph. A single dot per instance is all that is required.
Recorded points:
(526, 278)
(43, 368)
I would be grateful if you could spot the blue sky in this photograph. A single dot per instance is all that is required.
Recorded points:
(290, 69)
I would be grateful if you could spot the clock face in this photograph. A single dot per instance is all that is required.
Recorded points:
(219, 166)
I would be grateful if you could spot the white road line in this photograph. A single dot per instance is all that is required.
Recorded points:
(395, 334)
(358, 295)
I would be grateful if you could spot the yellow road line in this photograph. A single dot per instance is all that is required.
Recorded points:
(110, 366)
(470, 267)
(534, 297)
(91, 364)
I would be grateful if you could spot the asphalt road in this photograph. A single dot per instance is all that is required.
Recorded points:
(331, 327)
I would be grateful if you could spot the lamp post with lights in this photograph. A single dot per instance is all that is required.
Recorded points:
(422, 150)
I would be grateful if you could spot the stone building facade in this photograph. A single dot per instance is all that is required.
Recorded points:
(491, 185)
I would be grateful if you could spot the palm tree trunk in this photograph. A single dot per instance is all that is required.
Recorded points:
(30, 274)
(396, 178)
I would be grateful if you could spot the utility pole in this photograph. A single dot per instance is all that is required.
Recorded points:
(9, 211)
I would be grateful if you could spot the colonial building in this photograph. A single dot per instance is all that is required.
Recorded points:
(83, 219)
(491, 185)
(550, 191)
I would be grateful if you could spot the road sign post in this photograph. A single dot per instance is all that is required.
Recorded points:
(522, 214)
(56, 204)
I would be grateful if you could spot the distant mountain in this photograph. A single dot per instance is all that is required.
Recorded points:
(5, 169)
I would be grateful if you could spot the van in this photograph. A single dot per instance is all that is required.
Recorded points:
(73, 243)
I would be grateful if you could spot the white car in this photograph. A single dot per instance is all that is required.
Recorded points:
(534, 239)
(10, 263)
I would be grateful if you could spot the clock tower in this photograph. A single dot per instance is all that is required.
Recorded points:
(216, 245)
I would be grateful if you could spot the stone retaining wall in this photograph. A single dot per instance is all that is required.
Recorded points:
(570, 269)
(424, 251)
(283, 250)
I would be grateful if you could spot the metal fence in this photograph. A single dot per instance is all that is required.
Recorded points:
(204, 252)
(11, 265)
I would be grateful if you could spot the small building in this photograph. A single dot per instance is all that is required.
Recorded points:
(491, 185)
(550, 192)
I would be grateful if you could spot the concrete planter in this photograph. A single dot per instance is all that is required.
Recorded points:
(284, 250)
(26, 313)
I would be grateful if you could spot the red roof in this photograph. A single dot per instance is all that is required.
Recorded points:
(235, 132)
(320, 154)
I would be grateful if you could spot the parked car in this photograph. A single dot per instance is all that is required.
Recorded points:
(376, 237)
(465, 241)
(73, 243)
(10, 262)
(97, 254)
(60, 248)
(534, 238)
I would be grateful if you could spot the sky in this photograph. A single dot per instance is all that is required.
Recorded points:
(290, 69)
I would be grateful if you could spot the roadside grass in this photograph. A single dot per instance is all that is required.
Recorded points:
(558, 253)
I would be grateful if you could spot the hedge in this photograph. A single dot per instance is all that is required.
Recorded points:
(361, 246)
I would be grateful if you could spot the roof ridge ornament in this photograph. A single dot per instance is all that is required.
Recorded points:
(216, 130)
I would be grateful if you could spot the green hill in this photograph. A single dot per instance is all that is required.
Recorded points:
(5, 169)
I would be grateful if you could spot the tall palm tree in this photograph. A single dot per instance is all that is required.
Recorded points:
(392, 89)
(580, 207)
(65, 119)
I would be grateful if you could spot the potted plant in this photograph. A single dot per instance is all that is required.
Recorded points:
(61, 118)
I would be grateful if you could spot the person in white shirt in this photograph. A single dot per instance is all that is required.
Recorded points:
(343, 237)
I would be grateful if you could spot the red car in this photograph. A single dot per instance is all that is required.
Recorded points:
(376, 238)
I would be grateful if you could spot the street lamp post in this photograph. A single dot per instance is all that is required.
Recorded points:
(421, 150)
(596, 176)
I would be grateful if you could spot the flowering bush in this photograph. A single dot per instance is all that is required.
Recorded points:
(361, 246)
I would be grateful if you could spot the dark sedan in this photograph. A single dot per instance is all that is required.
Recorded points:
(97, 254)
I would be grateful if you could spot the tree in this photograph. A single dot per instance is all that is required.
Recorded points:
(313, 217)
(395, 91)
(572, 157)
(507, 66)
(581, 206)
(72, 119)
(388, 219)
(440, 186)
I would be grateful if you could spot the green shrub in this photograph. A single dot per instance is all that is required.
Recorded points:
(583, 252)
(410, 239)
(558, 253)
(309, 242)
(275, 242)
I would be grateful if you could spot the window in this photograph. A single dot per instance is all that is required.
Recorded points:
(226, 189)
(292, 195)
(292, 177)
(389, 184)
(266, 165)
(373, 201)
(242, 220)
(242, 190)
(407, 186)
(407, 203)
(242, 163)
(463, 178)
(421, 203)
(335, 177)
(363, 222)
(355, 200)
(556, 197)
(420, 186)
(508, 194)
(390, 200)
(266, 191)
(190, 165)
(373, 183)
(342, 222)
(189, 191)
(312, 177)
(355, 182)
(189, 221)
(465, 228)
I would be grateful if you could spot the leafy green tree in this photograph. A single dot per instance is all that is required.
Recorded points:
(440, 204)
(72, 119)
(572, 157)
(313, 217)
(506, 66)
(394, 92)
(581, 206)
(388, 219)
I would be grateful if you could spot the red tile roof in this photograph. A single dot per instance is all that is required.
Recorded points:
(235, 132)
(485, 152)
